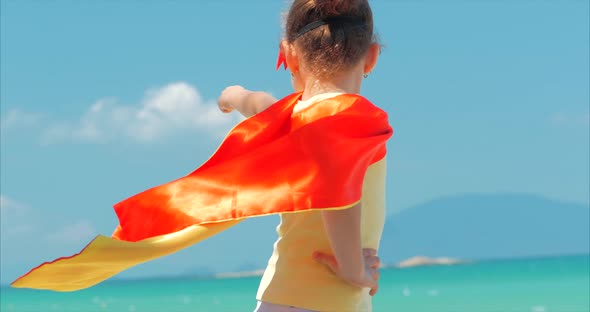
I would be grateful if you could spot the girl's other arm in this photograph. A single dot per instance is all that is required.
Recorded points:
(343, 228)
(247, 102)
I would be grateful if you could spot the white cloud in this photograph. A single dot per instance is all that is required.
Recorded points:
(15, 118)
(570, 119)
(10, 207)
(15, 217)
(174, 108)
(81, 231)
(19, 220)
(18, 230)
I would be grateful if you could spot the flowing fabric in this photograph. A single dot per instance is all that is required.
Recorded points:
(273, 162)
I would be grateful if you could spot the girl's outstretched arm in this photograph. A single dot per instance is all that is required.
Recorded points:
(343, 228)
(247, 102)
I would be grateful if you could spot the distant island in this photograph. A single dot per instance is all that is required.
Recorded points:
(239, 274)
(422, 261)
(487, 226)
(411, 262)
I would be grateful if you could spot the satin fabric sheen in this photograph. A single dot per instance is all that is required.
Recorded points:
(270, 163)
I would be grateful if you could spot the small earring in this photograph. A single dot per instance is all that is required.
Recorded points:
(365, 75)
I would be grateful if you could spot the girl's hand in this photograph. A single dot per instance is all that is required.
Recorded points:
(371, 261)
(246, 102)
(231, 97)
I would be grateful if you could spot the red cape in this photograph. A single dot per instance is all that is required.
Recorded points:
(274, 162)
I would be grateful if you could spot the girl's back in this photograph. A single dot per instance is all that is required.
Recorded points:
(293, 277)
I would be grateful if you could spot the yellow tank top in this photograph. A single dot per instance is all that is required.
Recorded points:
(293, 278)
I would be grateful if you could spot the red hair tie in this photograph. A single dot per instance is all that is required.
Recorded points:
(282, 60)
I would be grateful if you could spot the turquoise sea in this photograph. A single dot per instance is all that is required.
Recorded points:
(556, 284)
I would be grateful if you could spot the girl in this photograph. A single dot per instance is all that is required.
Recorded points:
(329, 48)
(317, 157)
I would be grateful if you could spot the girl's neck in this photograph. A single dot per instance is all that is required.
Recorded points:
(344, 84)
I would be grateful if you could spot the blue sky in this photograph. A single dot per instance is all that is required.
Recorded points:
(101, 100)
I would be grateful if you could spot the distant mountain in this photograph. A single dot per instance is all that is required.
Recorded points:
(487, 226)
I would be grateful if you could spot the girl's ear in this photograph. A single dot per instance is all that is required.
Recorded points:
(290, 55)
(371, 57)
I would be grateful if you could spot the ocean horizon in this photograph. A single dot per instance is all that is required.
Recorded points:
(541, 284)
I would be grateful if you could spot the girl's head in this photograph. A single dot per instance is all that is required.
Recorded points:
(325, 39)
